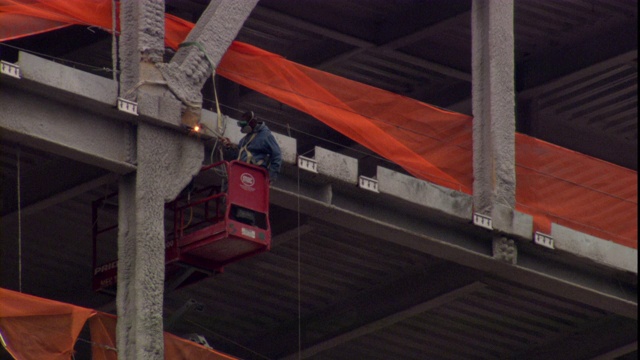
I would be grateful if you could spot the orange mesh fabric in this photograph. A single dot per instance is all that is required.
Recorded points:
(178, 348)
(577, 191)
(39, 329)
(553, 184)
(103, 337)
(408, 132)
(19, 18)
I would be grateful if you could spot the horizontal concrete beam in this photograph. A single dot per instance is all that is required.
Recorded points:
(437, 221)
(66, 130)
(448, 202)
(67, 80)
(60, 197)
(598, 250)
(67, 112)
(337, 166)
(87, 127)
(387, 321)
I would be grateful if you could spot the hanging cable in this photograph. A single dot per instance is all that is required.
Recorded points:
(221, 125)
(93, 343)
(114, 42)
(19, 219)
(299, 272)
(226, 339)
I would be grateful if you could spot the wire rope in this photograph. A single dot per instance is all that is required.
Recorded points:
(299, 267)
(19, 219)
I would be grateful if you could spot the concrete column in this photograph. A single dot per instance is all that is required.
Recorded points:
(167, 160)
(493, 93)
(214, 32)
(141, 41)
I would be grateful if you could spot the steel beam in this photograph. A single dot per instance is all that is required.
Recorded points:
(361, 44)
(433, 232)
(387, 321)
(39, 121)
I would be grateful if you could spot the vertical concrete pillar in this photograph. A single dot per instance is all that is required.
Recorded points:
(141, 41)
(493, 93)
(166, 162)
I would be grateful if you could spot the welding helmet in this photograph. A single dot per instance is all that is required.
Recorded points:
(247, 122)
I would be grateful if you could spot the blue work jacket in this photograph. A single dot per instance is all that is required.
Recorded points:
(259, 147)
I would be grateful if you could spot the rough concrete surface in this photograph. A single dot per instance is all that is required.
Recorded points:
(336, 166)
(601, 251)
(493, 93)
(167, 162)
(509, 221)
(450, 202)
(101, 141)
(214, 32)
(68, 79)
(141, 39)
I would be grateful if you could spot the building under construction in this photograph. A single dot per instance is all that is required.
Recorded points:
(459, 180)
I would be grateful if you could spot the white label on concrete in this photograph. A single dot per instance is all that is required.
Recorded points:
(128, 106)
(308, 164)
(543, 240)
(368, 183)
(10, 69)
(483, 221)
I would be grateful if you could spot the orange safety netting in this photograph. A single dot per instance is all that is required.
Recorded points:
(553, 184)
(42, 329)
(39, 329)
(19, 18)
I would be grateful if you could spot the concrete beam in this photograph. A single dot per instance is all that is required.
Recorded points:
(450, 203)
(390, 47)
(387, 321)
(68, 82)
(443, 231)
(598, 250)
(213, 33)
(71, 118)
(337, 166)
(37, 199)
(553, 64)
(359, 43)
(619, 352)
(416, 290)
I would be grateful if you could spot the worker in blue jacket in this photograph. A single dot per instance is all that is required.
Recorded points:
(257, 147)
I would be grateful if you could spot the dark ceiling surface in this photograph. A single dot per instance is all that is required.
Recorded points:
(327, 290)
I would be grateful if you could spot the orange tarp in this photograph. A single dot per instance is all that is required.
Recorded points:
(553, 184)
(19, 18)
(41, 329)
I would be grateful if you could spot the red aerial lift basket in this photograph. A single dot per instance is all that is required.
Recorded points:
(222, 217)
(233, 224)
